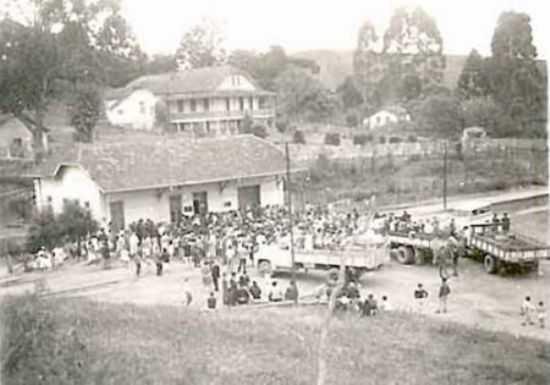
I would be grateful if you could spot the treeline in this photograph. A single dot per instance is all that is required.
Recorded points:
(505, 93)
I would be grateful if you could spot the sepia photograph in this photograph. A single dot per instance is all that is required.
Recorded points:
(259, 192)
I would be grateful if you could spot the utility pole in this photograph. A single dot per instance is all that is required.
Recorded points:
(290, 217)
(445, 175)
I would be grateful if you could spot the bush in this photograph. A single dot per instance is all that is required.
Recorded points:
(35, 350)
(259, 130)
(361, 139)
(299, 137)
(352, 120)
(332, 139)
(412, 139)
(382, 139)
(281, 125)
(395, 139)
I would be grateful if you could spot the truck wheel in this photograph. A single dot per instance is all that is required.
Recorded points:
(404, 255)
(264, 267)
(490, 264)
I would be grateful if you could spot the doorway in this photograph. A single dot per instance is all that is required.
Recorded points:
(117, 216)
(200, 202)
(249, 196)
(175, 208)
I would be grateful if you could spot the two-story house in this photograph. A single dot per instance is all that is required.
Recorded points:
(209, 101)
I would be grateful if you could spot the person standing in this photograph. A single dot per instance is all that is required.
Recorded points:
(541, 314)
(505, 223)
(444, 291)
(138, 261)
(215, 271)
(420, 296)
(291, 293)
(527, 310)
(187, 292)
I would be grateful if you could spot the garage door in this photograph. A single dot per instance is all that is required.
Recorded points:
(249, 196)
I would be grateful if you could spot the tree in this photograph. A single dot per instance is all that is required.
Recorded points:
(349, 94)
(413, 52)
(201, 46)
(304, 97)
(367, 62)
(85, 112)
(516, 81)
(159, 64)
(440, 116)
(474, 80)
(482, 112)
(62, 44)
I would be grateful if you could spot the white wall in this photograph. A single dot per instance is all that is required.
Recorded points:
(129, 114)
(272, 193)
(141, 204)
(71, 182)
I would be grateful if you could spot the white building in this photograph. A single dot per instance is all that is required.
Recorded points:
(133, 109)
(204, 101)
(387, 116)
(163, 179)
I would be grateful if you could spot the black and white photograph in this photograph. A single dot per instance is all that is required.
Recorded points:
(260, 192)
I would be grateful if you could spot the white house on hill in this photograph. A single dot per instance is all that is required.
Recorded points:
(162, 180)
(209, 101)
(387, 116)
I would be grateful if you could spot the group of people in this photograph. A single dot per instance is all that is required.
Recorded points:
(533, 314)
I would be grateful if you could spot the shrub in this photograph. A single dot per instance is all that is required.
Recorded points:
(395, 139)
(35, 350)
(382, 139)
(351, 120)
(299, 137)
(412, 139)
(332, 139)
(361, 139)
(281, 125)
(259, 130)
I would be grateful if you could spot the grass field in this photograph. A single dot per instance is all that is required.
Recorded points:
(126, 344)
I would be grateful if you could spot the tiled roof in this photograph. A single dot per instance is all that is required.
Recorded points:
(167, 161)
(206, 79)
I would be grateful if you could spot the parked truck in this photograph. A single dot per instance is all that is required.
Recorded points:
(496, 250)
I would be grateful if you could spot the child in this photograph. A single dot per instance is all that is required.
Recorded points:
(420, 295)
(541, 314)
(384, 304)
(444, 292)
(211, 301)
(527, 309)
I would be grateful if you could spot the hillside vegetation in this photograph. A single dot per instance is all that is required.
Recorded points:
(125, 344)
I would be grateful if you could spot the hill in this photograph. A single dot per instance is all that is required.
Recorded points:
(336, 65)
(126, 344)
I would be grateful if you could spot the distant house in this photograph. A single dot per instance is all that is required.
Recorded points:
(162, 179)
(15, 138)
(388, 115)
(473, 133)
(131, 108)
(209, 101)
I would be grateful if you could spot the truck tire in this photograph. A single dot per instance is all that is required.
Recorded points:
(264, 267)
(490, 264)
(405, 255)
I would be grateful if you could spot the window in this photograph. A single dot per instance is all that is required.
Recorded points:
(180, 105)
(378, 119)
(227, 204)
(241, 104)
(251, 103)
(262, 102)
(142, 107)
(236, 80)
(227, 104)
(206, 104)
(49, 199)
(193, 105)
(87, 205)
(188, 209)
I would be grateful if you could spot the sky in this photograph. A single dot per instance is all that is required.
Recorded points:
(323, 24)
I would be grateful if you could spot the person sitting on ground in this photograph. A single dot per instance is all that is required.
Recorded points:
(242, 295)
(370, 307)
(255, 291)
(275, 294)
(291, 293)
(211, 301)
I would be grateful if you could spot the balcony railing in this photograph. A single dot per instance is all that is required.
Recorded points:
(220, 115)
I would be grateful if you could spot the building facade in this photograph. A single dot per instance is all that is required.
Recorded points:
(135, 110)
(204, 102)
(387, 116)
(120, 186)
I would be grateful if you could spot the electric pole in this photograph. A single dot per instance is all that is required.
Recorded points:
(445, 175)
(290, 217)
